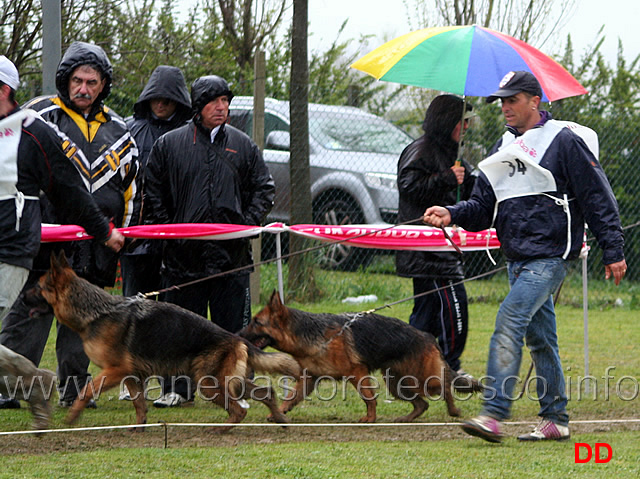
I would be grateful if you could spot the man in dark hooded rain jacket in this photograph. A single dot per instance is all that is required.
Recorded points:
(163, 105)
(427, 175)
(32, 161)
(207, 172)
(98, 143)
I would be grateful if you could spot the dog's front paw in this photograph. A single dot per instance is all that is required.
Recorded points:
(367, 419)
(270, 417)
(455, 412)
(222, 429)
(278, 418)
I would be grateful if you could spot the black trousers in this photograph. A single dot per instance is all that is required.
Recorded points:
(140, 273)
(444, 314)
(226, 299)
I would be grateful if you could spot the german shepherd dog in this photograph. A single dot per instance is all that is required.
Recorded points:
(352, 347)
(132, 339)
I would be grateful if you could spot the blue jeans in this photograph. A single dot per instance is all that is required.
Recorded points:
(527, 313)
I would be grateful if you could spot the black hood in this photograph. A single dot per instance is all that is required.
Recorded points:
(443, 114)
(207, 88)
(78, 54)
(165, 82)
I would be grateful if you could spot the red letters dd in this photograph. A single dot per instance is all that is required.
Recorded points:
(598, 458)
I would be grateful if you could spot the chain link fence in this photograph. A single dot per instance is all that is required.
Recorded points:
(353, 158)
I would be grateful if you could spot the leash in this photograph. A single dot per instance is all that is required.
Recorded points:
(478, 276)
(448, 238)
(362, 314)
(347, 325)
(356, 316)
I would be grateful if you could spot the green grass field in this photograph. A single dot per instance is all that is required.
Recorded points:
(347, 451)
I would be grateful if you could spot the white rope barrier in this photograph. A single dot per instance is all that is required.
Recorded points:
(295, 425)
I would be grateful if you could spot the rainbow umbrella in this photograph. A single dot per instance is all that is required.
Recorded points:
(465, 60)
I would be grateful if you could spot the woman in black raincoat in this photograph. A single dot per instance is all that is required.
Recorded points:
(428, 175)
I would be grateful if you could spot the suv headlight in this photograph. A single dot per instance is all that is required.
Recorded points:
(381, 180)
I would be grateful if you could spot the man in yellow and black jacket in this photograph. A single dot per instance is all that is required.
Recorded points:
(97, 142)
(106, 154)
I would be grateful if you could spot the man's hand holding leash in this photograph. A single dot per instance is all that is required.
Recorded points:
(115, 241)
(437, 216)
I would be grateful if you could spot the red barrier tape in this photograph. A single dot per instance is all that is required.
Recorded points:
(424, 238)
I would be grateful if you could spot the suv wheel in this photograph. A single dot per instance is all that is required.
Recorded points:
(335, 208)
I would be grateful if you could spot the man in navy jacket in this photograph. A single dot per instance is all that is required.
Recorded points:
(539, 186)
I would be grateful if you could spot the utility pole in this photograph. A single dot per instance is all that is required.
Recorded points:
(51, 44)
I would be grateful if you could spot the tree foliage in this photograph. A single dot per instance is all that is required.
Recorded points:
(19, 31)
(532, 21)
(222, 36)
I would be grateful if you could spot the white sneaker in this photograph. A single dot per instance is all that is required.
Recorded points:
(462, 373)
(484, 427)
(169, 400)
(547, 431)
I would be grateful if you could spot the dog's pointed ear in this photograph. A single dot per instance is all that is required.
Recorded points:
(63, 259)
(58, 262)
(275, 302)
(53, 260)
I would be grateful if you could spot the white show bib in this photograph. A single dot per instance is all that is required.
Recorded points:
(589, 136)
(514, 170)
(10, 133)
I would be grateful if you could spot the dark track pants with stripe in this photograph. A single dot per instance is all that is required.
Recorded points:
(444, 314)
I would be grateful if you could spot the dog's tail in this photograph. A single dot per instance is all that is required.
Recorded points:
(280, 363)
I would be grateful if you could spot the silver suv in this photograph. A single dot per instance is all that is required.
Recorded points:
(353, 161)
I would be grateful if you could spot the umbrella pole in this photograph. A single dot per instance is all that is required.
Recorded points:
(458, 161)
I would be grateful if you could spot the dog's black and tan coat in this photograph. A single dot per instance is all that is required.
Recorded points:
(132, 339)
(353, 347)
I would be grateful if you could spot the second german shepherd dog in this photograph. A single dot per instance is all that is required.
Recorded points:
(352, 347)
(132, 339)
